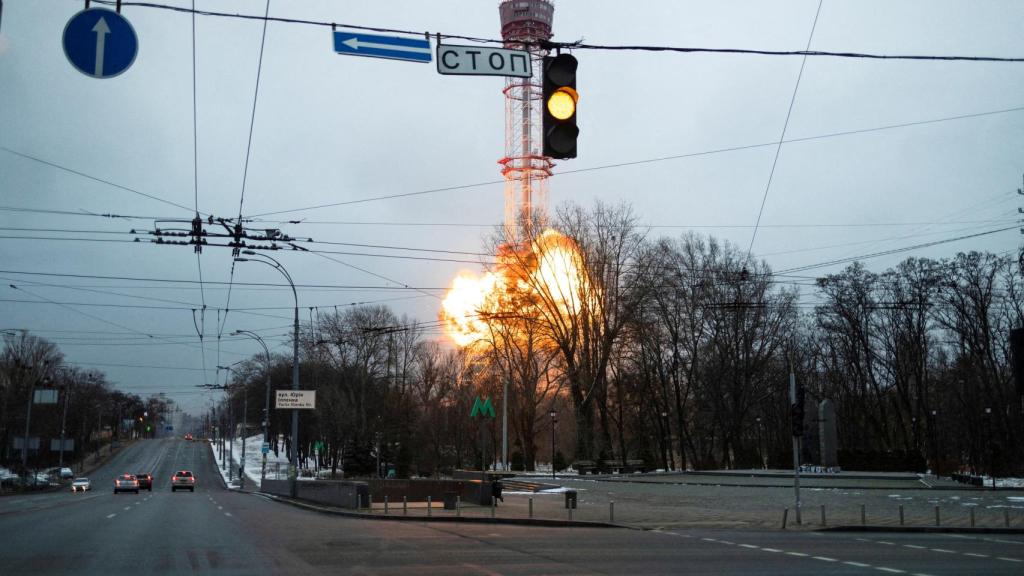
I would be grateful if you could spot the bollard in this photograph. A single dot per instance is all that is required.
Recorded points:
(405, 505)
(823, 515)
(937, 522)
(458, 505)
(531, 508)
(429, 511)
(901, 514)
(611, 512)
(1006, 517)
(785, 514)
(863, 516)
(972, 516)
(385, 503)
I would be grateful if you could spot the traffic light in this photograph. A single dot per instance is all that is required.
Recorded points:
(560, 98)
(797, 410)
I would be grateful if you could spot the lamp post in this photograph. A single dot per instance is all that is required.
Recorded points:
(294, 472)
(664, 439)
(266, 406)
(935, 441)
(988, 443)
(554, 420)
(245, 423)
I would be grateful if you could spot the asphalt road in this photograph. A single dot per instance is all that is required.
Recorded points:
(214, 531)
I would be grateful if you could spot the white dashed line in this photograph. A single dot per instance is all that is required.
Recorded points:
(709, 540)
(749, 546)
(1008, 559)
(943, 550)
(976, 555)
(801, 554)
(111, 515)
(915, 547)
(886, 543)
(890, 570)
(127, 508)
(857, 564)
(727, 542)
(220, 507)
(771, 550)
(825, 558)
(227, 513)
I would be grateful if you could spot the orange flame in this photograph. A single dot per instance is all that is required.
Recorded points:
(548, 276)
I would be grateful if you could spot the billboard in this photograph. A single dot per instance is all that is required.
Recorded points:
(296, 400)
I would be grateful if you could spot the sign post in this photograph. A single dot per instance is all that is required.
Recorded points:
(483, 409)
(100, 43)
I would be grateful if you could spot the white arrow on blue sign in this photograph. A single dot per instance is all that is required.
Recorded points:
(100, 43)
(393, 47)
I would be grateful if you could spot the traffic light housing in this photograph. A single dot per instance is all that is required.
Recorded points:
(797, 411)
(560, 98)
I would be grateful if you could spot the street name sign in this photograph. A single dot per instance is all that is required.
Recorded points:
(296, 400)
(100, 43)
(458, 60)
(375, 46)
(265, 448)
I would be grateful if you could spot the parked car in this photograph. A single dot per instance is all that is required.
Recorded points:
(81, 485)
(126, 483)
(145, 481)
(184, 480)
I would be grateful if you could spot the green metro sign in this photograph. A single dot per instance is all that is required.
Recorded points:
(482, 407)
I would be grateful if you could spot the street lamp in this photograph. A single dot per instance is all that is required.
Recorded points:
(266, 406)
(988, 434)
(554, 420)
(665, 438)
(294, 472)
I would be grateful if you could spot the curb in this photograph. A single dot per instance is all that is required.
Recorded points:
(934, 529)
(450, 519)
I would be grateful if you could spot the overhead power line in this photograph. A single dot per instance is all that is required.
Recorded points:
(578, 45)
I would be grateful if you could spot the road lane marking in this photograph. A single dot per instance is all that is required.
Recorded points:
(1004, 558)
(857, 564)
(976, 555)
(886, 543)
(709, 540)
(127, 508)
(771, 550)
(825, 558)
(915, 546)
(801, 554)
(943, 550)
(891, 570)
(220, 507)
(750, 546)
(727, 542)
(227, 513)
(111, 515)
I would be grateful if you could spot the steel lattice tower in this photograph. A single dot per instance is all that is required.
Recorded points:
(524, 24)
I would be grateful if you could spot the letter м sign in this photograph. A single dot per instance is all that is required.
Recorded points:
(482, 61)
(482, 407)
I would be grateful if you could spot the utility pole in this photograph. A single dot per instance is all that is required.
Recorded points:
(504, 425)
(796, 397)
(28, 418)
(63, 423)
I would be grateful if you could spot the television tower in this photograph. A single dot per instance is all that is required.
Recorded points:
(524, 24)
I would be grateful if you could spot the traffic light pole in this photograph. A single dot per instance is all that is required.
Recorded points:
(796, 441)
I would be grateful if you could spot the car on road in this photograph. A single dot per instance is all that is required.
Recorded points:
(126, 483)
(145, 481)
(188, 437)
(81, 485)
(183, 479)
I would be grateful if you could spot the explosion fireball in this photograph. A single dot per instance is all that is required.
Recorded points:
(548, 275)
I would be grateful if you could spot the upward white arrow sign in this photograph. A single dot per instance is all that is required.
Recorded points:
(355, 44)
(101, 29)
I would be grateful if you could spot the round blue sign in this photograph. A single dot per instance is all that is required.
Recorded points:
(100, 43)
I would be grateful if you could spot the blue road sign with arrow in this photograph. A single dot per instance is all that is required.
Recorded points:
(100, 43)
(393, 47)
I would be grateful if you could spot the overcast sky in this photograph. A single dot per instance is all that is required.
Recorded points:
(331, 128)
